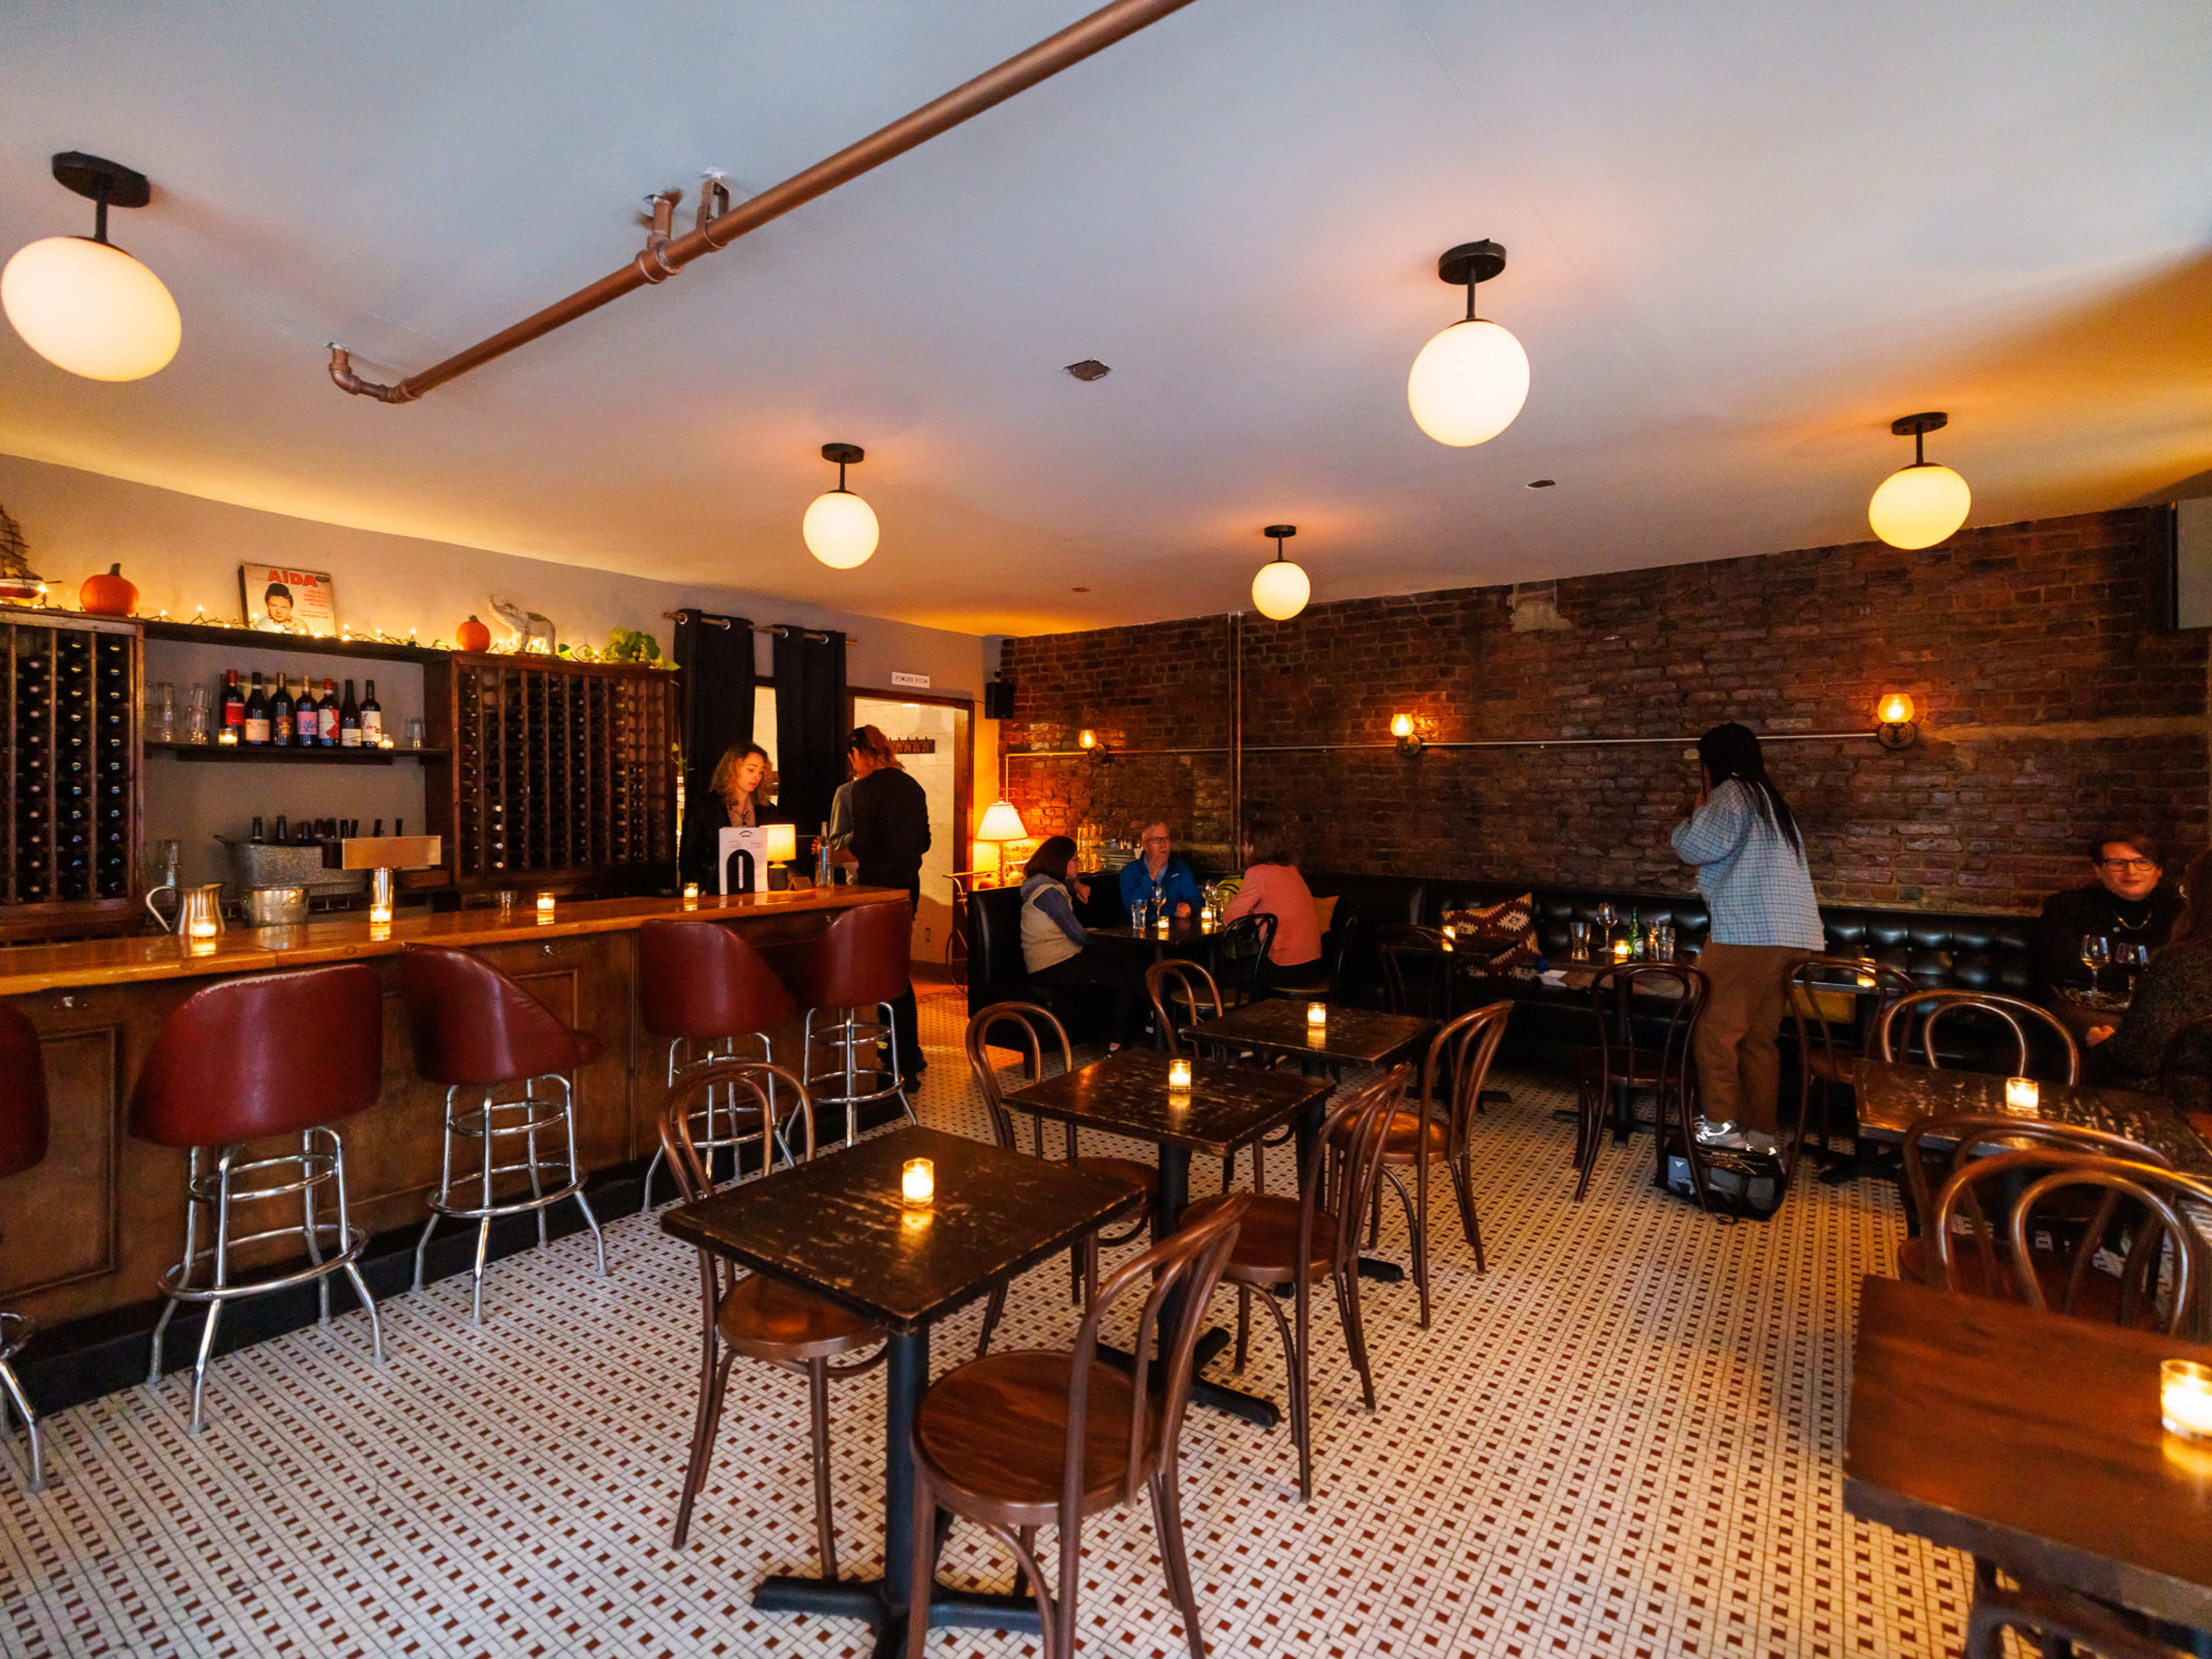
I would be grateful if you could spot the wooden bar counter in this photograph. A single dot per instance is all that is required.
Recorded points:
(90, 1228)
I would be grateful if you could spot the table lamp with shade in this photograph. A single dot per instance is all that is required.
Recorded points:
(1001, 824)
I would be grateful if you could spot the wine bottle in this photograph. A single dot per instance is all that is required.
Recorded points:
(371, 719)
(280, 721)
(349, 719)
(307, 718)
(256, 719)
(234, 706)
(327, 729)
(256, 837)
(278, 839)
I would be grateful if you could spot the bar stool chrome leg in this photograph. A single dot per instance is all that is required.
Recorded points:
(16, 1329)
(319, 1162)
(710, 1143)
(844, 1036)
(485, 1125)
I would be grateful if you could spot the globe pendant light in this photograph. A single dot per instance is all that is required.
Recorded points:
(82, 303)
(1281, 590)
(1470, 381)
(840, 527)
(1918, 506)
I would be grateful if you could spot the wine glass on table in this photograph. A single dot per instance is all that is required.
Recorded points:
(2130, 958)
(2096, 951)
(1605, 918)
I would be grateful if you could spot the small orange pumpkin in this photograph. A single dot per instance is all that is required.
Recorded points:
(474, 636)
(107, 595)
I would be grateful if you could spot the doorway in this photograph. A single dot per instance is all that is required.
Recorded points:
(932, 739)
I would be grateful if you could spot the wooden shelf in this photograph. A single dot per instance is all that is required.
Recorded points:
(248, 638)
(290, 754)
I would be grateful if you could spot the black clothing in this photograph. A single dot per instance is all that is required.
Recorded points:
(890, 830)
(704, 820)
(2174, 992)
(2069, 917)
(1106, 966)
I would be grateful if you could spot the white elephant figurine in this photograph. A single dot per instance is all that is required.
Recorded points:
(532, 632)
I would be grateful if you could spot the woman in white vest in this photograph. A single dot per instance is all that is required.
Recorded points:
(1057, 950)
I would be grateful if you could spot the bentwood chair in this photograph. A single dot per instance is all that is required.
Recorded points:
(228, 1068)
(1017, 1441)
(23, 1137)
(754, 1315)
(1184, 988)
(1289, 1243)
(1622, 1065)
(1894, 1028)
(1827, 1002)
(1416, 972)
(1436, 1132)
(1242, 952)
(1030, 1026)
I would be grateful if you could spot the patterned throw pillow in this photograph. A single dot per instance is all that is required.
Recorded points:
(1504, 932)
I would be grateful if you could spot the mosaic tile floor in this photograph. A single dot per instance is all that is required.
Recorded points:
(1624, 1439)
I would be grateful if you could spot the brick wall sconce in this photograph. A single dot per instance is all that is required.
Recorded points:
(1893, 717)
(1409, 740)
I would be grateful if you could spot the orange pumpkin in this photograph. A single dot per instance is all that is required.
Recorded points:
(474, 636)
(109, 595)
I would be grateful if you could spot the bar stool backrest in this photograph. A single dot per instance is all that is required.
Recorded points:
(2157, 1226)
(1893, 1034)
(1031, 1027)
(702, 980)
(231, 1064)
(1194, 987)
(474, 1027)
(23, 1120)
(861, 958)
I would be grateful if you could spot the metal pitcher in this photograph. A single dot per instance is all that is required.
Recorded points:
(199, 910)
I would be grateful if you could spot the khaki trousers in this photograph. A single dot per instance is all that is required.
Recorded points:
(1739, 1065)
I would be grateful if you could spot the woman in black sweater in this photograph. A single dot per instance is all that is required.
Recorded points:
(2174, 991)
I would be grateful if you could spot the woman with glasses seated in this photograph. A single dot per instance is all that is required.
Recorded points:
(2175, 991)
(2127, 903)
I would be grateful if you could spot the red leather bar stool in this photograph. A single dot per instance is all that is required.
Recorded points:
(860, 963)
(23, 1146)
(476, 1029)
(229, 1068)
(704, 989)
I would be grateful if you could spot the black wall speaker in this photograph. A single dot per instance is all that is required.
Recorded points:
(998, 700)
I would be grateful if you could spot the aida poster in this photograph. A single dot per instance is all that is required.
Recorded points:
(278, 599)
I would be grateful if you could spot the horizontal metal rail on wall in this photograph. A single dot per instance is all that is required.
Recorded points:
(1461, 743)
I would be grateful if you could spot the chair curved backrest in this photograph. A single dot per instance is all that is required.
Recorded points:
(694, 1170)
(1399, 942)
(2157, 1226)
(1194, 985)
(1244, 951)
(1032, 1027)
(23, 1116)
(702, 980)
(1930, 1008)
(2185, 1068)
(1684, 988)
(1189, 1260)
(1357, 1128)
(1459, 1062)
(1826, 991)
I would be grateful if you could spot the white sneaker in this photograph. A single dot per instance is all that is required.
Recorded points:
(1721, 1137)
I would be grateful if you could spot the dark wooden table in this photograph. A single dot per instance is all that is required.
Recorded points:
(1353, 1036)
(835, 1226)
(1226, 1108)
(2032, 1440)
(1891, 1098)
(1186, 937)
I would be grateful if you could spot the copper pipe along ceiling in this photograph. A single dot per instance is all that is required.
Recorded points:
(664, 257)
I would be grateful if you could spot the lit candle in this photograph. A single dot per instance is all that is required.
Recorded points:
(545, 907)
(1178, 1074)
(1620, 949)
(1316, 1014)
(2021, 1094)
(918, 1181)
(378, 929)
(379, 915)
(691, 895)
(1163, 927)
(2184, 1398)
(1866, 982)
(228, 735)
(204, 930)
(198, 946)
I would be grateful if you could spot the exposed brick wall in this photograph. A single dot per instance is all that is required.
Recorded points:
(2050, 707)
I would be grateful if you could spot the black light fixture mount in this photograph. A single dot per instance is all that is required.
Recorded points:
(1470, 265)
(1917, 427)
(845, 455)
(106, 184)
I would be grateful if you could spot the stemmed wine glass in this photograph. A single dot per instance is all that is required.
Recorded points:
(2095, 953)
(1605, 918)
(2131, 960)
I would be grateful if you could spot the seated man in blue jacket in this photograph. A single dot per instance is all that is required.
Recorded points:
(1159, 878)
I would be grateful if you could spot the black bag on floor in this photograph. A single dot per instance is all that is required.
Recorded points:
(1747, 1186)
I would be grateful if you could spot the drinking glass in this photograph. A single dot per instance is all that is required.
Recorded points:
(1579, 938)
(2131, 960)
(2096, 951)
(1137, 918)
(1663, 940)
(414, 731)
(196, 716)
(1605, 918)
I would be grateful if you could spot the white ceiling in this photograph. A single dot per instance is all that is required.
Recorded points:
(1742, 238)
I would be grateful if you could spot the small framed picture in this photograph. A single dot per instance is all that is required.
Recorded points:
(278, 599)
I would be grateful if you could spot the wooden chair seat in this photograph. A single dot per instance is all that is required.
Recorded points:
(1138, 1173)
(1408, 1139)
(1643, 1067)
(1307, 980)
(765, 1318)
(1266, 1250)
(994, 1431)
(2099, 1300)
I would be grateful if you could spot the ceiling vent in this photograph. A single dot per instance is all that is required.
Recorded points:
(1089, 369)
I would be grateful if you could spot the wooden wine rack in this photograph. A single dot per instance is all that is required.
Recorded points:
(69, 700)
(562, 776)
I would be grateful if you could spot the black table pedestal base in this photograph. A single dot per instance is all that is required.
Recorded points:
(863, 1598)
(1214, 1396)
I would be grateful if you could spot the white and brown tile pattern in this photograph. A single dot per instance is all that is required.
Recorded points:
(1624, 1439)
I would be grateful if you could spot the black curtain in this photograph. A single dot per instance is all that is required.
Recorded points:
(716, 655)
(810, 722)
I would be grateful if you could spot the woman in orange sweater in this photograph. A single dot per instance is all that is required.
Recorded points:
(1273, 887)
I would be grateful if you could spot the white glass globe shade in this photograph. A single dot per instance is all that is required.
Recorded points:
(90, 308)
(840, 530)
(1468, 383)
(1281, 590)
(1918, 506)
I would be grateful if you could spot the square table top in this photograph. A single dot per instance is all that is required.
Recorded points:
(836, 1224)
(1126, 1094)
(1894, 1097)
(1184, 933)
(1358, 1036)
(2032, 1438)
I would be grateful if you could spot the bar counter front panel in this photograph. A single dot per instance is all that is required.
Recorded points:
(91, 1228)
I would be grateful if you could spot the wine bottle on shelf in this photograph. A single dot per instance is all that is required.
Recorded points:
(307, 718)
(280, 716)
(371, 719)
(326, 729)
(349, 721)
(277, 840)
(234, 706)
(257, 838)
(257, 714)
(379, 828)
